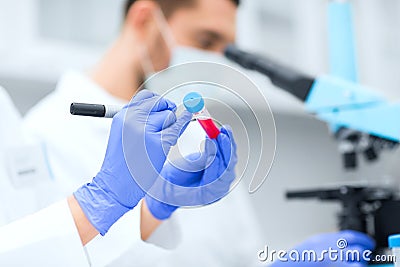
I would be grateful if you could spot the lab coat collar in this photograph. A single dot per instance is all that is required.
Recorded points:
(78, 87)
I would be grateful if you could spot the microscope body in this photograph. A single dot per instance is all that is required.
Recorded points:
(370, 210)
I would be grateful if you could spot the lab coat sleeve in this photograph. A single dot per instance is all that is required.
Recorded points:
(162, 242)
(123, 240)
(46, 238)
(168, 235)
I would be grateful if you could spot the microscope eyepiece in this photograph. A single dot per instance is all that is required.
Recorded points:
(281, 76)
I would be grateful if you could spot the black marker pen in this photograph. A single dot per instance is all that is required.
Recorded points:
(94, 110)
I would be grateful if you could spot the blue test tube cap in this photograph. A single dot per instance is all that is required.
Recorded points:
(193, 102)
(394, 241)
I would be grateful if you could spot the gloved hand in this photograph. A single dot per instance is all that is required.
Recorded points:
(147, 124)
(199, 179)
(341, 241)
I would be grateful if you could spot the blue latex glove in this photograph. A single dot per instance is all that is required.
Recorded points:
(202, 178)
(355, 241)
(147, 123)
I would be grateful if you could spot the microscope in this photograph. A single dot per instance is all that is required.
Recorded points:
(371, 210)
(362, 120)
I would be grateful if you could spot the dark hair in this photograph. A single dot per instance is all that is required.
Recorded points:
(169, 6)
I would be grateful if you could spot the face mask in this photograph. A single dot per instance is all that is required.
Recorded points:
(182, 54)
(166, 33)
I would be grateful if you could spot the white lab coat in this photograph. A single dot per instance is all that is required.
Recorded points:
(34, 239)
(75, 148)
(46, 238)
(223, 234)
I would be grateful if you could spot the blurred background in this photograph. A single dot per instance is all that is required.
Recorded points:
(41, 39)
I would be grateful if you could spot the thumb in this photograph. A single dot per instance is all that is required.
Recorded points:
(172, 133)
(357, 238)
(142, 95)
(147, 100)
(227, 146)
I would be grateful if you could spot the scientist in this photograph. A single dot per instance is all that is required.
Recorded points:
(55, 235)
(75, 145)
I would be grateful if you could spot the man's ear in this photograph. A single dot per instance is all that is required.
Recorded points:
(141, 15)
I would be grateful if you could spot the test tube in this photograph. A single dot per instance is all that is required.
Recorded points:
(394, 244)
(194, 103)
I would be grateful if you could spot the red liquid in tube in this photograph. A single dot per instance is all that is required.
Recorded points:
(210, 128)
(194, 103)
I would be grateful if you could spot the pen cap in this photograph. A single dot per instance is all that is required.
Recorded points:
(193, 102)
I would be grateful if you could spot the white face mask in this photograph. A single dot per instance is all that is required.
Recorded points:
(163, 26)
(183, 54)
